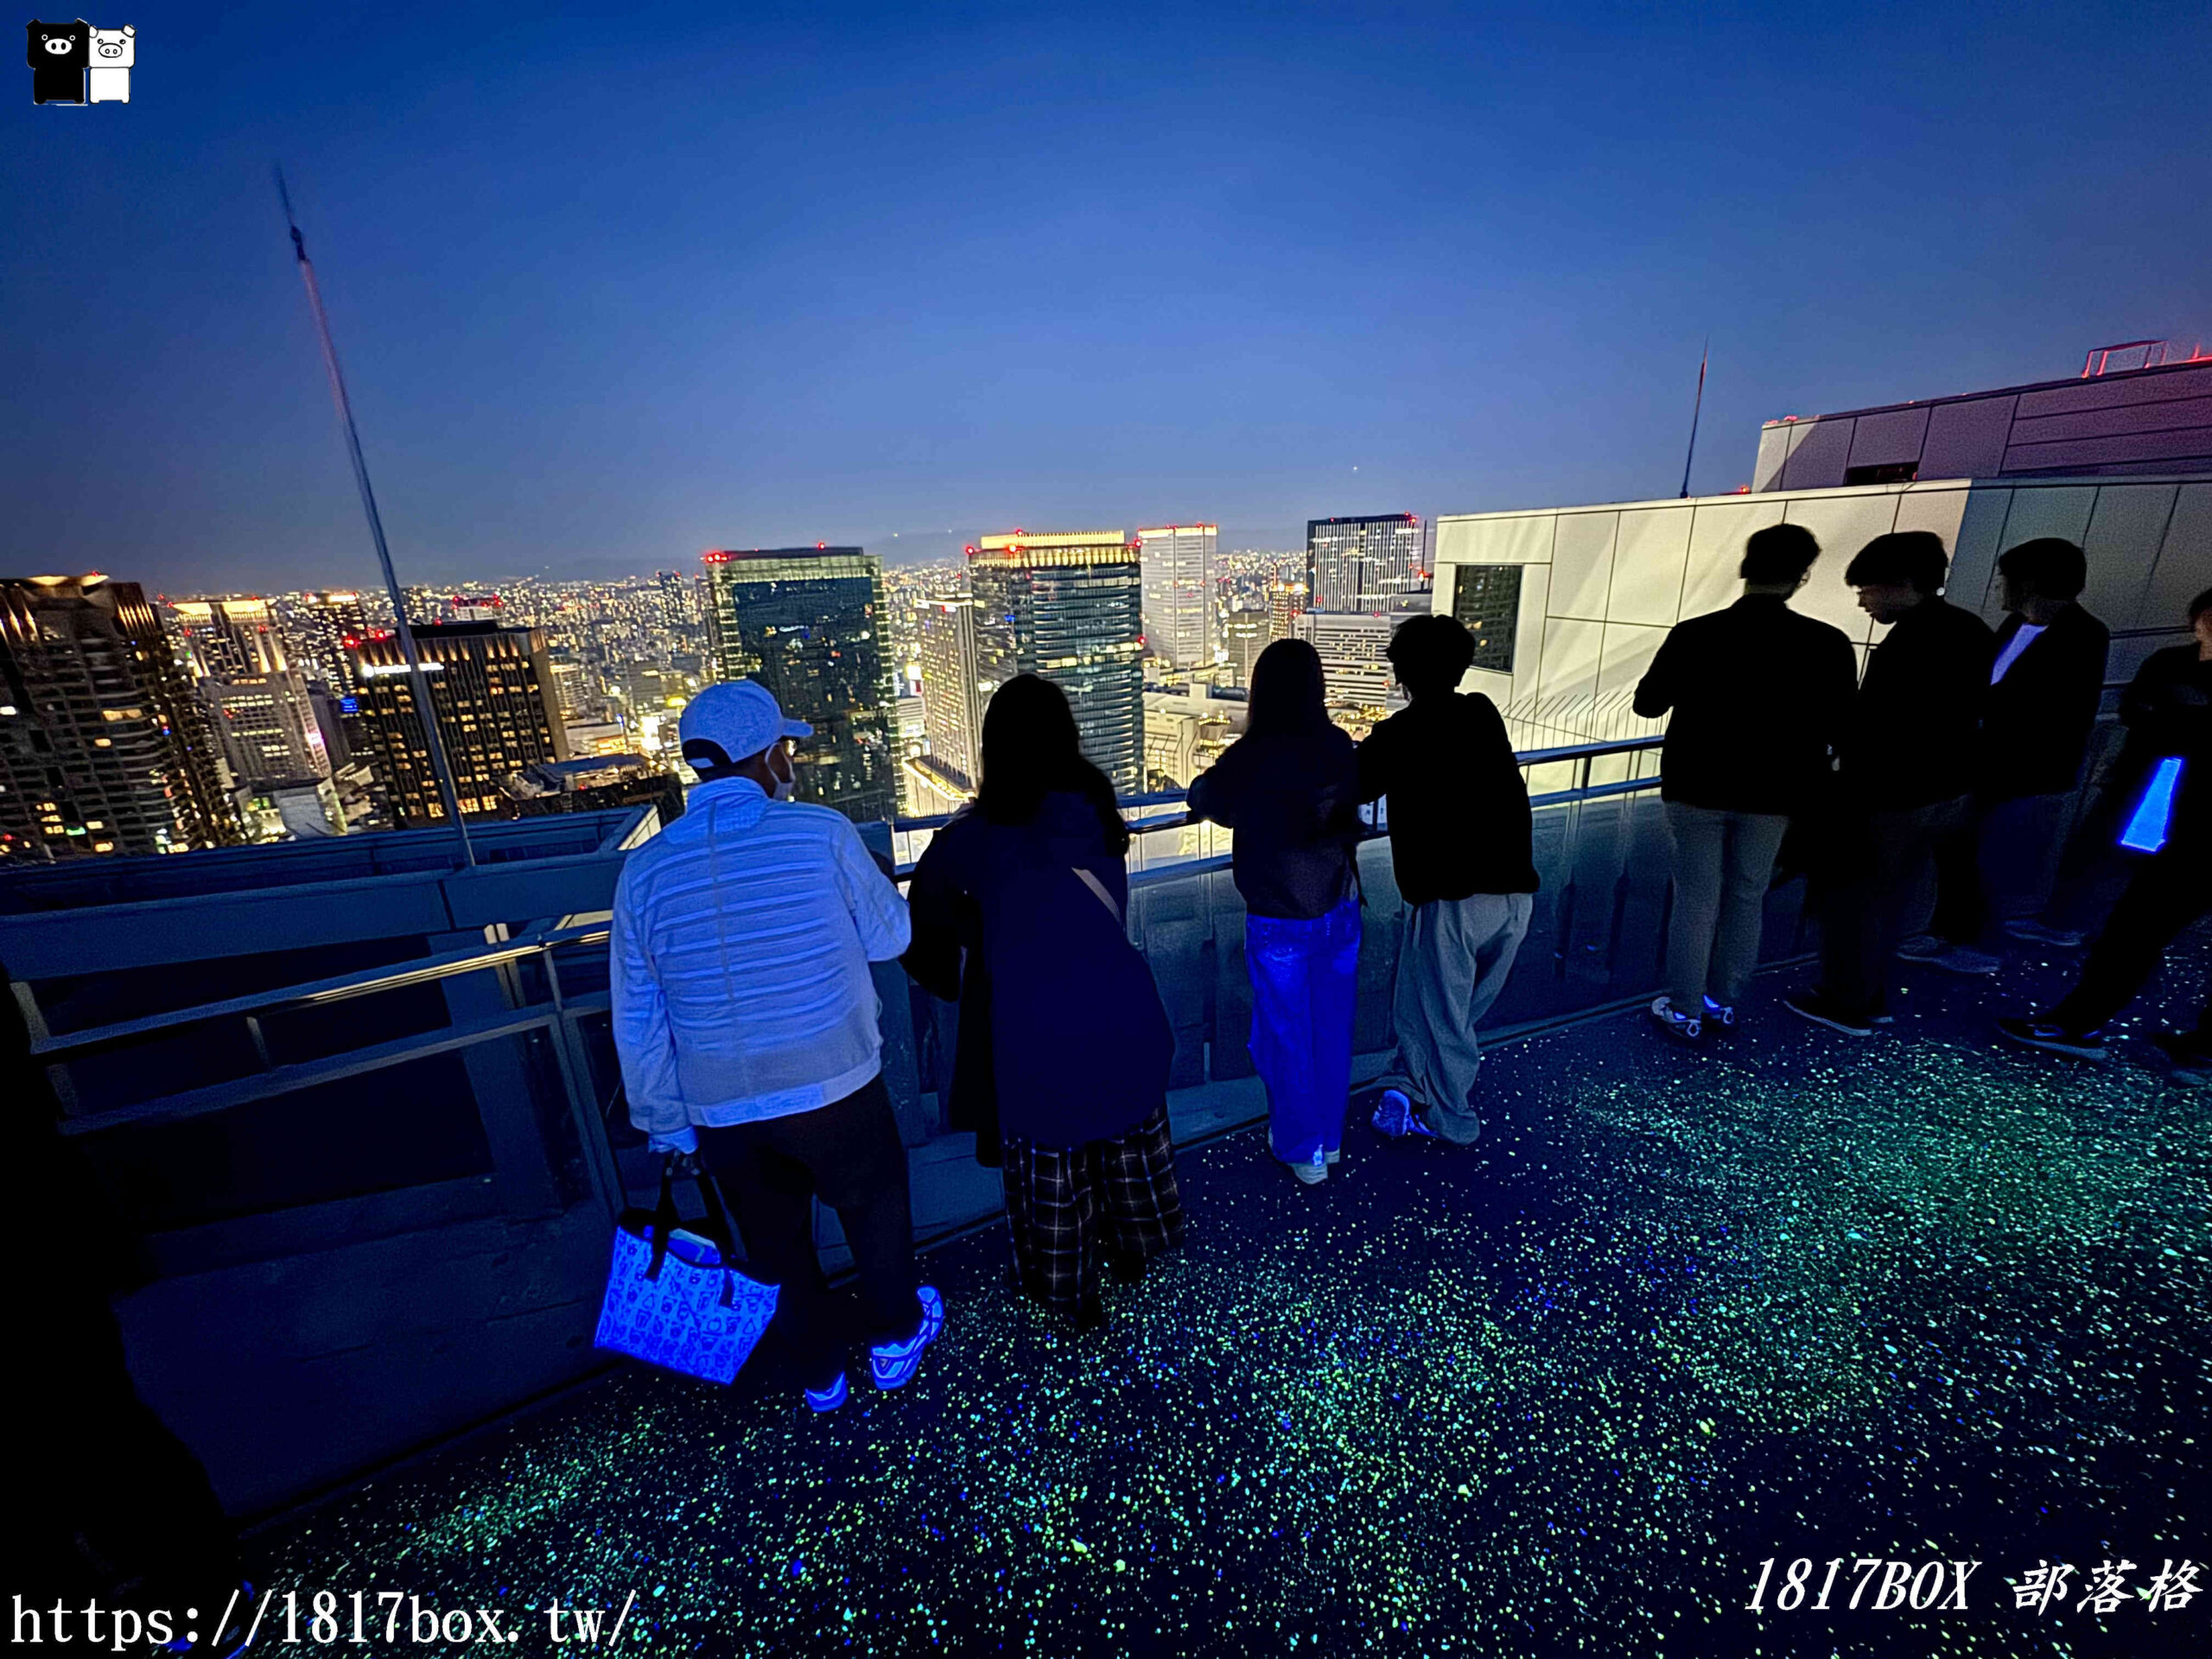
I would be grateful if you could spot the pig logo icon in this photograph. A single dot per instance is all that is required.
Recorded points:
(108, 79)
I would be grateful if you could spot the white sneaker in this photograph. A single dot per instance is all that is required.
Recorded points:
(1315, 1171)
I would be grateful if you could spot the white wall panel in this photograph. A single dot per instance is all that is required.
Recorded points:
(1456, 539)
(1649, 555)
(1520, 541)
(1773, 449)
(1582, 563)
(1717, 533)
(1528, 631)
(2125, 527)
(1625, 655)
(2061, 510)
(1842, 524)
(1971, 524)
(2185, 566)
(1572, 653)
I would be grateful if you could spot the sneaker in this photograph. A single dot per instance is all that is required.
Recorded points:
(892, 1365)
(2026, 927)
(1394, 1115)
(1687, 1027)
(1963, 959)
(2053, 1039)
(1336, 1157)
(1720, 1013)
(1924, 947)
(831, 1398)
(1822, 1012)
(2192, 1061)
(1313, 1172)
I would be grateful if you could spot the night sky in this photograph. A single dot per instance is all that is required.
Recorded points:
(615, 288)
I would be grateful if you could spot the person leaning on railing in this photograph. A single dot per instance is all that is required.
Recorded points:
(2163, 785)
(745, 1016)
(1064, 1046)
(1757, 695)
(1289, 788)
(1461, 848)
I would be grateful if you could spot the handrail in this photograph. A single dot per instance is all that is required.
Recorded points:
(63, 1046)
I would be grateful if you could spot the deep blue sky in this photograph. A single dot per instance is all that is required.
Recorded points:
(612, 287)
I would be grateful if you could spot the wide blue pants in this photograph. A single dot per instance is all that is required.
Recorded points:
(1305, 981)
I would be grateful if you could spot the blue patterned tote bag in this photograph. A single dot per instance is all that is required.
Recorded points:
(673, 1297)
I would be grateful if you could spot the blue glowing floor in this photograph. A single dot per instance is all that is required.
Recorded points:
(1916, 1298)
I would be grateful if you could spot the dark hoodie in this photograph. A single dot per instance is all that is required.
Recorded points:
(1293, 798)
(1074, 1044)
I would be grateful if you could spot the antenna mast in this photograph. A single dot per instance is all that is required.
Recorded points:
(447, 794)
(1696, 408)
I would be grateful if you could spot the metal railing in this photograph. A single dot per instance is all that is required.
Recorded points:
(561, 1013)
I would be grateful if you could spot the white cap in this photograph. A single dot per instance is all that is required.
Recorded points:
(734, 721)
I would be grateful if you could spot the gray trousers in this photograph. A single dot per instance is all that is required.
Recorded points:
(1452, 964)
(1723, 862)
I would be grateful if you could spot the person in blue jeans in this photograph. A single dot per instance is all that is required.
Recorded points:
(1289, 788)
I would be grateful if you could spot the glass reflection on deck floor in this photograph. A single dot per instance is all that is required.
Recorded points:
(1917, 1298)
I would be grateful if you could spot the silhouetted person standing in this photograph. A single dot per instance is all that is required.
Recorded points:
(1289, 788)
(1063, 1044)
(1460, 846)
(2161, 785)
(1907, 768)
(2045, 685)
(1758, 695)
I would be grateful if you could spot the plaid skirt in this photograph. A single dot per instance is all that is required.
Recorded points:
(1054, 1197)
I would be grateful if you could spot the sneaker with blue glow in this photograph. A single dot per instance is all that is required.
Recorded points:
(1672, 1021)
(1393, 1114)
(831, 1398)
(1314, 1171)
(892, 1365)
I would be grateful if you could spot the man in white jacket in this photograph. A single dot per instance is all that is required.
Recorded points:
(745, 1018)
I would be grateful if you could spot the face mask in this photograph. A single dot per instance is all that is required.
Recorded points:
(786, 780)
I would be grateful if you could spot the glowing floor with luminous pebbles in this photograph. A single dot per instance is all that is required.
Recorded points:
(1915, 1298)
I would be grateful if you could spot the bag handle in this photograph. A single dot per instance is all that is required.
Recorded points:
(715, 1225)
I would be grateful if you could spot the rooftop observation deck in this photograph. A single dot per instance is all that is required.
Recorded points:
(1917, 1298)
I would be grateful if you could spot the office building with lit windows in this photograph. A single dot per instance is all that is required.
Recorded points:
(1378, 562)
(809, 623)
(327, 629)
(1069, 607)
(1178, 599)
(492, 695)
(952, 712)
(103, 749)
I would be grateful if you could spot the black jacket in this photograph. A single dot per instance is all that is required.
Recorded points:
(1458, 809)
(1759, 695)
(1062, 1036)
(2167, 709)
(2036, 728)
(1913, 735)
(1293, 798)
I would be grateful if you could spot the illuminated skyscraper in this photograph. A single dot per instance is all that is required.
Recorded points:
(327, 629)
(257, 700)
(809, 624)
(1179, 621)
(103, 749)
(952, 714)
(1069, 607)
(491, 690)
(1378, 564)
